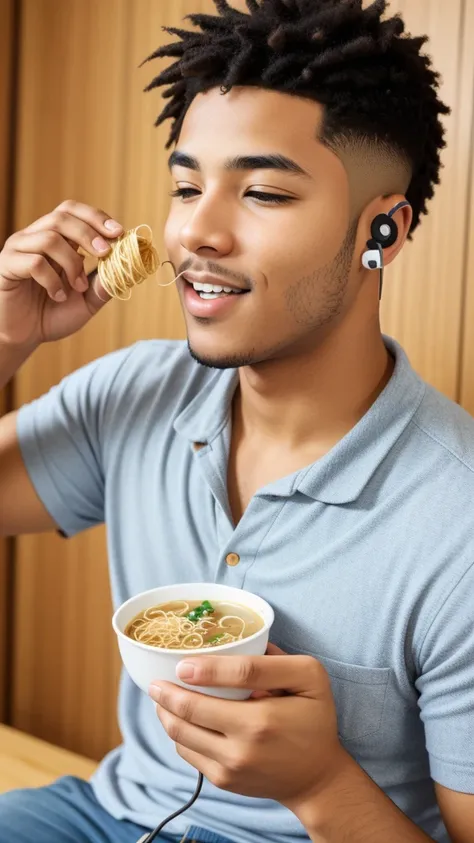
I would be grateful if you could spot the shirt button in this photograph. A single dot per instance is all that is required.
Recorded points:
(232, 559)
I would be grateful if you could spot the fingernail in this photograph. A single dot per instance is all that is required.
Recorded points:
(185, 670)
(112, 225)
(60, 296)
(100, 245)
(154, 692)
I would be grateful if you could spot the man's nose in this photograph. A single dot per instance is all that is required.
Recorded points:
(207, 227)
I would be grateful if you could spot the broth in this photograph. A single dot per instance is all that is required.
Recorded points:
(193, 624)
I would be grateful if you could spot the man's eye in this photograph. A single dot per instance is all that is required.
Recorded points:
(269, 198)
(184, 192)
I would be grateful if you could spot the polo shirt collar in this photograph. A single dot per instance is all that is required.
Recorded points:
(206, 415)
(341, 475)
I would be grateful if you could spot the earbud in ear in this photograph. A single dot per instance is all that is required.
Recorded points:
(384, 232)
(373, 258)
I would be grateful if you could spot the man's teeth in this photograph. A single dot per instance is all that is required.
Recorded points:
(212, 291)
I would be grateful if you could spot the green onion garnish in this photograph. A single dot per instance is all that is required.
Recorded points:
(200, 611)
(216, 638)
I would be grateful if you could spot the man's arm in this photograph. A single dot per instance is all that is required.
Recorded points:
(287, 748)
(11, 359)
(353, 809)
(21, 511)
(46, 296)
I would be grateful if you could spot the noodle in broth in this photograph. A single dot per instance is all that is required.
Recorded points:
(190, 625)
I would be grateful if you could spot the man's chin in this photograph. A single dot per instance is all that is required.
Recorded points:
(222, 360)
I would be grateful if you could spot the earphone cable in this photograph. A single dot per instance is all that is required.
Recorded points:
(154, 834)
(381, 283)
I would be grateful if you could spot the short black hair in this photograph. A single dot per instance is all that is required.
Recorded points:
(375, 85)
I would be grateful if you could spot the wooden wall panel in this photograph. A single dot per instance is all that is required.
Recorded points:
(424, 286)
(71, 144)
(466, 368)
(5, 610)
(7, 97)
(86, 132)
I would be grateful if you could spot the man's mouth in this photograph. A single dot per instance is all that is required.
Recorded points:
(214, 291)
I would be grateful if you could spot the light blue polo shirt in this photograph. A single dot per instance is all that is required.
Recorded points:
(366, 556)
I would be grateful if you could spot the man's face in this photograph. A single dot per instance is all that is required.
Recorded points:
(293, 254)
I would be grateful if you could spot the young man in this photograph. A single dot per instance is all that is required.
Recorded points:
(293, 451)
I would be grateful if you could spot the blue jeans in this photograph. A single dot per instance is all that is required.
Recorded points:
(68, 812)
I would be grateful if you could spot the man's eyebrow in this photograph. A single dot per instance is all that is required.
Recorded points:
(242, 162)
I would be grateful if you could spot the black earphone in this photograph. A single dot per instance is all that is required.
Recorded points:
(384, 231)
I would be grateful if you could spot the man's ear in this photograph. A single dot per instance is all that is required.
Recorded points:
(403, 219)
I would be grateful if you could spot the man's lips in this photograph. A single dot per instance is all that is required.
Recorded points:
(214, 280)
(206, 306)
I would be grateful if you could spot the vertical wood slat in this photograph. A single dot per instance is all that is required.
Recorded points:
(8, 19)
(424, 286)
(466, 364)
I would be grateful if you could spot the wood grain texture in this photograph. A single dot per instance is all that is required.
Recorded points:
(26, 761)
(72, 128)
(424, 286)
(86, 132)
(466, 367)
(7, 93)
(7, 13)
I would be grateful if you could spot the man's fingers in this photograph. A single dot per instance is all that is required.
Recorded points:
(218, 715)
(273, 650)
(211, 744)
(211, 770)
(85, 220)
(96, 296)
(295, 674)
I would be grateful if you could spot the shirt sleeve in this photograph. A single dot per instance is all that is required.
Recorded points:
(61, 440)
(446, 687)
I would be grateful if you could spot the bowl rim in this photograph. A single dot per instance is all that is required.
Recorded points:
(198, 650)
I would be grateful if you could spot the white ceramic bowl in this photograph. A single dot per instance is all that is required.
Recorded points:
(146, 664)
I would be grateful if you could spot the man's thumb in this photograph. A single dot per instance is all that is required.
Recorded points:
(95, 296)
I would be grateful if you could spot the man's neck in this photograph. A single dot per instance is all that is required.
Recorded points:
(310, 401)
